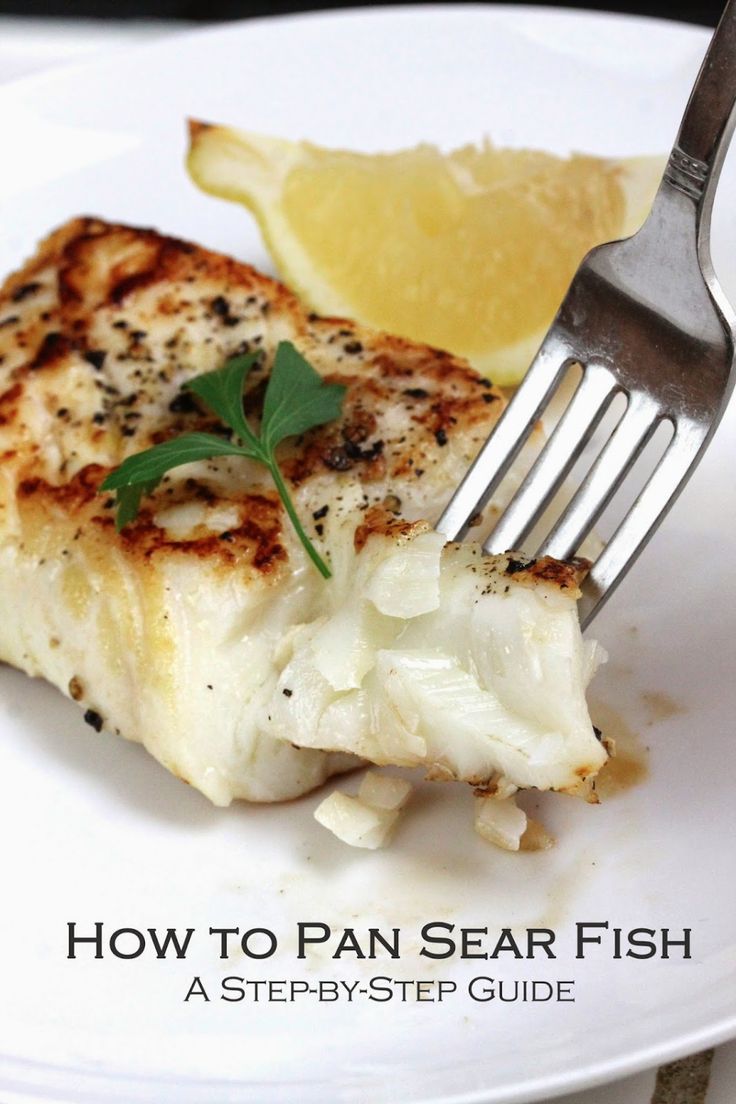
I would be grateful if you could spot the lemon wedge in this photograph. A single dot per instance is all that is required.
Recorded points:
(470, 251)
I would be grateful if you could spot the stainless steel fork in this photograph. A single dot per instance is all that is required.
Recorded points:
(644, 317)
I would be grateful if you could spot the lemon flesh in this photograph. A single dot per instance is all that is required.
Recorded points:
(470, 251)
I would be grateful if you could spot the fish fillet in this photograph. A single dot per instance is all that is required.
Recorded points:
(202, 630)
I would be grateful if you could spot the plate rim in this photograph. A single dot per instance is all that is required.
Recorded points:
(237, 1091)
(374, 11)
(549, 1086)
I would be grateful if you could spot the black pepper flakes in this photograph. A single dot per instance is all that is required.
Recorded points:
(355, 452)
(24, 291)
(440, 436)
(337, 459)
(287, 692)
(416, 393)
(95, 357)
(321, 513)
(93, 718)
(221, 307)
(353, 347)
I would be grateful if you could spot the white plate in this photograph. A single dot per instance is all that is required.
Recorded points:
(94, 830)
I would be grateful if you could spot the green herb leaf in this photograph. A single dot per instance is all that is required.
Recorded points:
(153, 463)
(297, 398)
(128, 500)
(222, 391)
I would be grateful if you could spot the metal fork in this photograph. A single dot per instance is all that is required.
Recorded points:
(644, 317)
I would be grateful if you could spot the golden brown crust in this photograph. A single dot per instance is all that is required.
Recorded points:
(563, 574)
(378, 521)
(255, 539)
(102, 326)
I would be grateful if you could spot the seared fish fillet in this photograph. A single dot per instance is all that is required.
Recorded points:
(202, 630)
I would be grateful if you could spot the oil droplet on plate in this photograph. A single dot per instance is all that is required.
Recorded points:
(629, 766)
(660, 706)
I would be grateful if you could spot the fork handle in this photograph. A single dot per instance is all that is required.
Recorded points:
(709, 116)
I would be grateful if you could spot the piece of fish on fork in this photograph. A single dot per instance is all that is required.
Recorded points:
(644, 318)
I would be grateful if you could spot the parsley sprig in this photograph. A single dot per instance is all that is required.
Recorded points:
(296, 399)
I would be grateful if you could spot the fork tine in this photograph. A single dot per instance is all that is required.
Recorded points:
(507, 439)
(615, 460)
(585, 410)
(642, 519)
